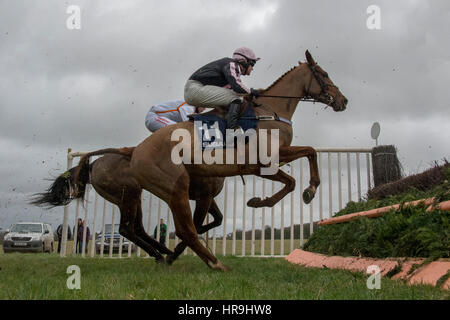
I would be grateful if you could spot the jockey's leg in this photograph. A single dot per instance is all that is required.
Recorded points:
(233, 114)
(199, 95)
(154, 122)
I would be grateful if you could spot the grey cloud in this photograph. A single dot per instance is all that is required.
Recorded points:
(91, 88)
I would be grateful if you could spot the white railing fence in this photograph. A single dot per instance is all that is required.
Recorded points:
(345, 176)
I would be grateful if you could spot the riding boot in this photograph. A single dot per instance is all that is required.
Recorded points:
(233, 114)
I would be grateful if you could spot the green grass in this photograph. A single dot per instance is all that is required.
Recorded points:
(407, 232)
(219, 248)
(43, 276)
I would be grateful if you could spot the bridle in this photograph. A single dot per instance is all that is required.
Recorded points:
(327, 98)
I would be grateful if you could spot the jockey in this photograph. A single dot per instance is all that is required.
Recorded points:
(167, 113)
(218, 84)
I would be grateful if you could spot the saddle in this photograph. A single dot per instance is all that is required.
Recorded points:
(211, 126)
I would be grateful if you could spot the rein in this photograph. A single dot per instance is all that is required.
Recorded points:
(289, 97)
(308, 98)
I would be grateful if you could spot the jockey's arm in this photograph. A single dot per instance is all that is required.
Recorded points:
(232, 73)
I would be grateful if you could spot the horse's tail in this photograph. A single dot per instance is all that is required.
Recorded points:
(81, 172)
(72, 183)
(58, 194)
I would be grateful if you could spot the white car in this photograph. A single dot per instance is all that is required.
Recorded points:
(29, 237)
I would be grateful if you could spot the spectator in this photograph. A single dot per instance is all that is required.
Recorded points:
(162, 232)
(76, 231)
(59, 232)
(81, 226)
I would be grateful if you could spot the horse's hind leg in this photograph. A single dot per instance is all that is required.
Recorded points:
(128, 210)
(140, 232)
(217, 215)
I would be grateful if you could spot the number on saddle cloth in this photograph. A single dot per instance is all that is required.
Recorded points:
(211, 128)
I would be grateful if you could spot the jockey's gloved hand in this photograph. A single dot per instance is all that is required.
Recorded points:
(254, 93)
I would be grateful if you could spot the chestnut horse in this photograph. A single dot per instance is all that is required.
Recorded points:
(155, 170)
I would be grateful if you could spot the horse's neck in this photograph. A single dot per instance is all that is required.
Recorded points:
(292, 83)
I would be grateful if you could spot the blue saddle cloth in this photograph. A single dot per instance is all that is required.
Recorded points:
(212, 129)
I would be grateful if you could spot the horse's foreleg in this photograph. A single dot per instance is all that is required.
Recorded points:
(202, 207)
(186, 231)
(289, 186)
(288, 154)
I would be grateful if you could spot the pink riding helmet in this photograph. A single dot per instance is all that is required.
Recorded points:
(245, 53)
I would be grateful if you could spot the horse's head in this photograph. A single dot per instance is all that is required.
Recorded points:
(321, 88)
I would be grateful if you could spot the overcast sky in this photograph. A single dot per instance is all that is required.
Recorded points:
(91, 88)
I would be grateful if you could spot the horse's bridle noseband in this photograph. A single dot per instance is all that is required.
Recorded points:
(327, 98)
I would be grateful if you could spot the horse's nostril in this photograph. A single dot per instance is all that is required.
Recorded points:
(345, 101)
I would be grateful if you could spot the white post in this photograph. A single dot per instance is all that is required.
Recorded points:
(330, 189)
(75, 233)
(339, 181)
(157, 221)
(129, 248)
(120, 246)
(102, 240)
(66, 212)
(301, 203)
(263, 219)
(149, 221)
(320, 188)
(282, 228)
(292, 213)
(349, 178)
(244, 205)
(311, 219)
(233, 251)
(253, 220)
(225, 204)
(272, 222)
(358, 176)
(111, 239)
(214, 241)
(94, 226)
(166, 242)
(85, 226)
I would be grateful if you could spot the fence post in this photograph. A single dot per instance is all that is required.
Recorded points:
(385, 165)
(66, 211)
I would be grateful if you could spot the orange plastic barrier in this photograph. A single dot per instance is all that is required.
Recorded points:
(426, 274)
(445, 205)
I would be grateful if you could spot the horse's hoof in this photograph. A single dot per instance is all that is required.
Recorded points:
(308, 195)
(170, 259)
(160, 260)
(254, 202)
(219, 266)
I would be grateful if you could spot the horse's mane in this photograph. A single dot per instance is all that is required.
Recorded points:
(279, 79)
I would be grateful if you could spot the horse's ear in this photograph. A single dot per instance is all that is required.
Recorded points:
(309, 58)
